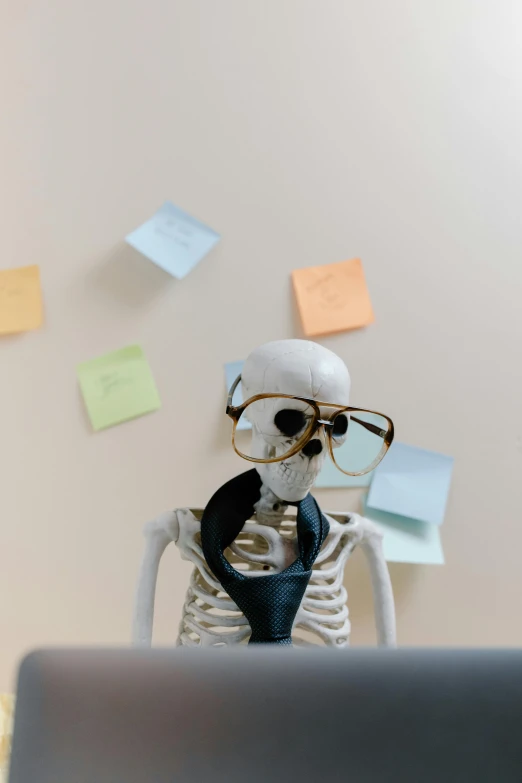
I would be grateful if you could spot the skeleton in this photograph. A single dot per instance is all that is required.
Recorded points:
(268, 541)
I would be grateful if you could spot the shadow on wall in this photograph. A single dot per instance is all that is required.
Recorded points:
(130, 278)
(360, 596)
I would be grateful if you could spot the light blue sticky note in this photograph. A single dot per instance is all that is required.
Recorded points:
(173, 240)
(407, 540)
(330, 476)
(232, 370)
(413, 483)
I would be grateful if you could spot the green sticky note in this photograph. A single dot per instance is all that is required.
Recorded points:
(117, 387)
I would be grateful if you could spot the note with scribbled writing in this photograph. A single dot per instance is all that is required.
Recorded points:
(117, 387)
(21, 307)
(332, 298)
(173, 240)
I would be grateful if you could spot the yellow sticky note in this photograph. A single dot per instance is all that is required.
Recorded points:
(117, 387)
(333, 297)
(21, 307)
(6, 731)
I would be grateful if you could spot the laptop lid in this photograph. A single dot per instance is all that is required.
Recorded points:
(263, 714)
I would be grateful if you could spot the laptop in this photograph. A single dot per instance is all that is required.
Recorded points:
(268, 714)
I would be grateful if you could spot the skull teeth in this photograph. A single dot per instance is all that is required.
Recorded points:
(295, 478)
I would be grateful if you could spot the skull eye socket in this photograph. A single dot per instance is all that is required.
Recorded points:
(340, 425)
(290, 422)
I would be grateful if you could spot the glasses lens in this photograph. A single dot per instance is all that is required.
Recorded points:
(279, 425)
(358, 440)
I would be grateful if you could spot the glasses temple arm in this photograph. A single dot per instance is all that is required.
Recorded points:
(232, 390)
(371, 427)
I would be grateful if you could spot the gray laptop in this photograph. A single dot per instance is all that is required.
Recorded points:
(268, 714)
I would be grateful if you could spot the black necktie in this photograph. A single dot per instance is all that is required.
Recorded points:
(269, 602)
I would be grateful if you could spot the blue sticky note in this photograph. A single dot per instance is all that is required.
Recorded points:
(232, 370)
(407, 540)
(330, 476)
(173, 240)
(413, 483)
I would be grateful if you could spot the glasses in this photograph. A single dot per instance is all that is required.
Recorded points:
(357, 439)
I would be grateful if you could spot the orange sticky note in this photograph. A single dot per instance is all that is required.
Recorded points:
(333, 297)
(21, 307)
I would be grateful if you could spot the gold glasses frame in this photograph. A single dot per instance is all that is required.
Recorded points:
(235, 412)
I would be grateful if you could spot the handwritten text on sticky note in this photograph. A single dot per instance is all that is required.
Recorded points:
(21, 307)
(332, 298)
(173, 240)
(117, 387)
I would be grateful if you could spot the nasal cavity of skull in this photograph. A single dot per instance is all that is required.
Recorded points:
(313, 448)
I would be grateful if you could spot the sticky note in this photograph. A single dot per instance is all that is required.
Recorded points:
(173, 240)
(413, 483)
(232, 370)
(332, 298)
(407, 540)
(21, 307)
(117, 387)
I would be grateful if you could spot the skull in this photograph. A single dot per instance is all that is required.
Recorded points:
(304, 369)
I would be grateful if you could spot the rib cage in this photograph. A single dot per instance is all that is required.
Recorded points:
(211, 618)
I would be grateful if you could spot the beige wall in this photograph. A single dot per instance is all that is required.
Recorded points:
(305, 132)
